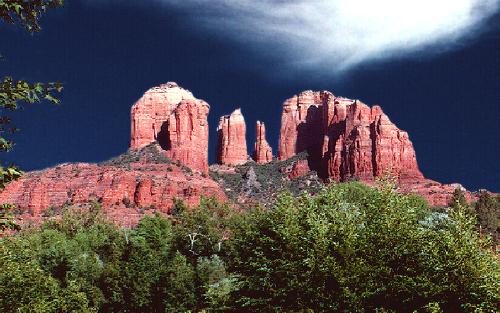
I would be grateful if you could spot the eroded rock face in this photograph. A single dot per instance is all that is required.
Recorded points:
(263, 152)
(187, 134)
(301, 123)
(299, 169)
(232, 143)
(126, 191)
(345, 138)
(173, 117)
(151, 112)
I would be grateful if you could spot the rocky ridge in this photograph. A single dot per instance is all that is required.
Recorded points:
(322, 138)
(173, 117)
(345, 138)
(136, 183)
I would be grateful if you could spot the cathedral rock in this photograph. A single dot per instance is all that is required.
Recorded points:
(345, 138)
(173, 117)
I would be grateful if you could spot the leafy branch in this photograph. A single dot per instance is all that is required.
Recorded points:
(26, 12)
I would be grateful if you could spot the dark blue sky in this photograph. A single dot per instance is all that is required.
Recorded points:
(108, 56)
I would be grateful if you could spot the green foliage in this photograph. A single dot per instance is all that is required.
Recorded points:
(26, 12)
(270, 179)
(55, 269)
(10, 94)
(203, 232)
(7, 218)
(488, 213)
(150, 154)
(458, 199)
(351, 248)
(354, 248)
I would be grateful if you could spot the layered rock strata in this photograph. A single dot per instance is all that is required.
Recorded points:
(232, 143)
(187, 134)
(125, 191)
(344, 139)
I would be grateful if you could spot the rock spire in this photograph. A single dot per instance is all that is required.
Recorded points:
(263, 153)
(232, 143)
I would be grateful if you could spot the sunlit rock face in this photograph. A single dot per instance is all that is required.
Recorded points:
(127, 188)
(263, 153)
(168, 157)
(232, 142)
(187, 134)
(173, 117)
(345, 138)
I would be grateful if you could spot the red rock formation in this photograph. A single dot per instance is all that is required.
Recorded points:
(232, 143)
(126, 192)
(187, 134)
(345, 138)
(263, 152)
(300, 123)
(151, 112)
(172, 116)
(299, 168)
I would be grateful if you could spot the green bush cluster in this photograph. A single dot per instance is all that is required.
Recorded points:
(350, 248)
(486, 210)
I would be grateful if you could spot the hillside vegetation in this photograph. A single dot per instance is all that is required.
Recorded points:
(349, 248)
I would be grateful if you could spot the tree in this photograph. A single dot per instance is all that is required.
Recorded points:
(353, 248)
(13, 92)
(26, 12)
(457, 199)
(488, 213)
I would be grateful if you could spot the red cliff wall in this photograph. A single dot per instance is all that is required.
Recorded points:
(173, 117)
(345, 138)
(125, 192)
(187, 134)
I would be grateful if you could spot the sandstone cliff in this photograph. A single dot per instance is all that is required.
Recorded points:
(134, 184)
(173, 117)
(232, 142)
(345, 138)
(321, 136)
(187, 134)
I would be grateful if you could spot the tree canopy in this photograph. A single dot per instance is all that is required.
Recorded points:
(351, 248)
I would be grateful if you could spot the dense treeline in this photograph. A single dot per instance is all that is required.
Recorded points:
(351, 248)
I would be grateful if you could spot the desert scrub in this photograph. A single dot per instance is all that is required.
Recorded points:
(150, 154)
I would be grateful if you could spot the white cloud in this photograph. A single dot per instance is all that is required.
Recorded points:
(339, 34)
